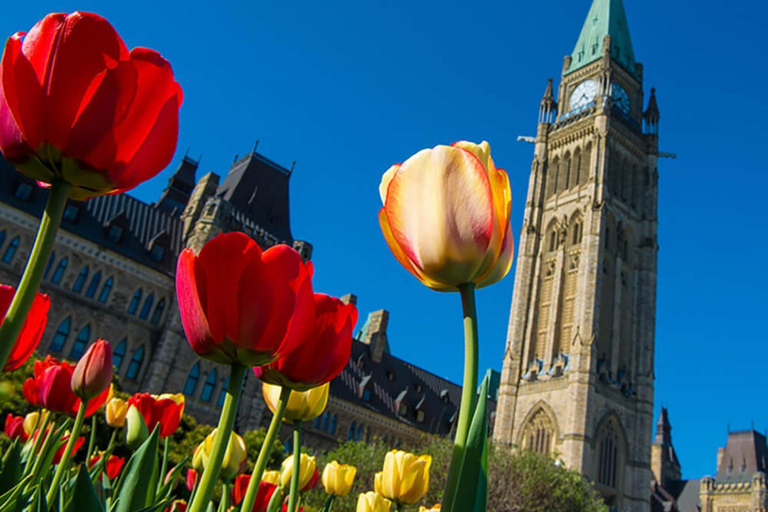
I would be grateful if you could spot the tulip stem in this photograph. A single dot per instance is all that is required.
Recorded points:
(33, 273)
(224, 503)
(220, 440)
(64, 464)
(294, 496)
(468, 392)
(48, 433)
(39, 439)
(164, 466)
(266, 448)
(92, 440)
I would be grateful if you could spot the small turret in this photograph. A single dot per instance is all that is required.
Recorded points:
(548, 106)
(651, 116)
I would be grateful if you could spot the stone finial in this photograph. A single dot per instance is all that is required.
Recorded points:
(375, 334)
(349, 298)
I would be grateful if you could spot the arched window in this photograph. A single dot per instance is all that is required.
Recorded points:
(564, 174)
(553, 240)
(537, 434)
(577, 232)
(194, 375)
(11, 250)
(210, 383)
(48, 265)
(317, 422)
(351, 431)
(359, 432)
(62, 333)
(106, 290)
(576, 166)
(223, 393)
(59, 274)
(324, 426)
(158, 314)
(147, 307)
(135, 365)
(552, 178)
(80, 281)
(95, 281)
(608, 455)
(334, 421)
(119, 354)
(78, 348)
(134, 305)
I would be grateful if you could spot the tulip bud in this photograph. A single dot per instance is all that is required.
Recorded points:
(93, 372)
(14, 427)
(338, 478)
(405, 477)
(116, 411)
(234, 457)
(372, 502)
(197, 459)
(136, 430)
(302, 405)
(191, 479)
(271, 477)
(177, 506)
(435, 508)
(307, 471)
(33, 421)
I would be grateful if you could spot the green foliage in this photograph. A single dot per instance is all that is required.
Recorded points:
(254, 440)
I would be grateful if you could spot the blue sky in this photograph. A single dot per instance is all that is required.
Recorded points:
(348, 88)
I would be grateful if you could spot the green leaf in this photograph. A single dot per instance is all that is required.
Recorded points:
(12, 468)
(134, 491)
(472, 490)
(84, 497)
(173, 476)
(328, 504)
(17, 497)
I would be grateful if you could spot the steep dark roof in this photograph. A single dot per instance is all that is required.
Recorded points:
(394, 381)
(140, 222)
(176, 194)
(685, 494)
(258, 187)
(664, 437)
(745, 454)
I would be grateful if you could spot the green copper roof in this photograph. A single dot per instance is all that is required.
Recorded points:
(606, 17)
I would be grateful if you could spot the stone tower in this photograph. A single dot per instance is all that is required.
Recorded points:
(577, 376)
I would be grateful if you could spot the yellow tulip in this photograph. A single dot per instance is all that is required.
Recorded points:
(446, 216)
(302, 405)
(33, 421)
(176, 397)
(337, 478)
(234, 457)
(372, 502)
(405, 478)
(307, 470)
(271, 477)
(116, 411)
(197, 459)
(435, 508)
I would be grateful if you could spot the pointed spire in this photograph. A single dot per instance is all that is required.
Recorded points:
(548, 106)
(605, 18)
(180, 185)
(651, 115)
(663, 429)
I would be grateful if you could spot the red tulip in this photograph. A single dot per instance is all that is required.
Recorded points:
(241, 305)
(165, 412)
(323, 354)
(31, 331)
(263, 495)
(191, 479)
(14, 427)
(51, 387)
(113, 466)
(177, 506)
(285, 508)
(93, 372)
(60, 452)
(77, 106)
(312, 481)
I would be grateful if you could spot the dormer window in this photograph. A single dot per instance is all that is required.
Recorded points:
(418, 387)
(71, 213)
(23, 191)
(158, 246)
(420, 416)
(115, 227)
(367, 395)
(157, 252)
(114, 233)
(390, 375)
(403, 409)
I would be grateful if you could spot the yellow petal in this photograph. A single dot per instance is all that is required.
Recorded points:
(385, 180)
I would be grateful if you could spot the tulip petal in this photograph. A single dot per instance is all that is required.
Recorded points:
(386, 179)
(190, 292)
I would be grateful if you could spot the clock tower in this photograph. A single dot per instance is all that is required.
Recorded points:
(577, 378)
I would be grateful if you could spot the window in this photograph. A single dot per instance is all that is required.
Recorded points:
(367, 395)
(147, 307)
(158, 314)
(317, 422)
(210, 383)
(191, 385)
(135, 365)
(11, 250)
(326, 417)
(223, 394)
(80, 281)
(608, 456)
(2, 237)
(576, 233)
(134, 305)
(351, 431)
(23, 191)
(48, 265)
(552, 240)
(71, 213)
(95, 281)
(537, 433)
(359, 433)
(114, 233)
(334, 421)
(59, 274)
(104, 295)
(157, 252)
(78, 349)
(420, 416)
(119, 354)
(62, 333)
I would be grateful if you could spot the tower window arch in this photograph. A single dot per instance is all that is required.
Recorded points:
(106, 290)
(191, 384)
(95, 281)
(576, 232)
(223, 393)
(58, 275)
(608, 455)
(334, 422)
(158, 313)
(81, 341)
(576, 166)
(210, 383)
(62, 333)
(147, 306)
(119, 354)
(326, 417)
(135, 300)
(552, 240)
(80, 281)
(351, 431)
(48, 265)
(10, 251)
(538, 433)
(136, 360)
(551, 188)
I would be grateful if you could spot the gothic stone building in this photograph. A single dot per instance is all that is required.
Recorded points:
(111, 276)
(577, 376)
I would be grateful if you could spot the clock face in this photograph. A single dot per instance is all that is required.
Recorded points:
(584, 93)
(620, 98)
